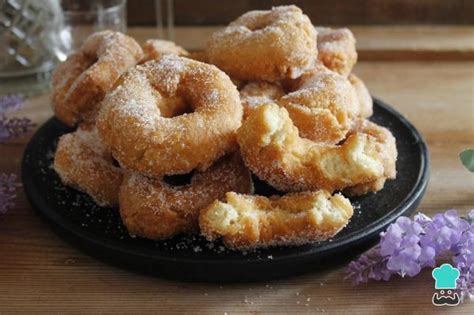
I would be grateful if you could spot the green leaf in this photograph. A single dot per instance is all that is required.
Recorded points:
(467, 158)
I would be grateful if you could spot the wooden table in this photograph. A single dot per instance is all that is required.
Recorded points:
(39, 272)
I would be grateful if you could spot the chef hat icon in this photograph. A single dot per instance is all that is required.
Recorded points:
(445, 277)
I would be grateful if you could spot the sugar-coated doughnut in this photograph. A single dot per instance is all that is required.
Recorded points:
(142, 139)
(337, 49)
(153, 209)
(156, 48)
(365, 100)
(248, 222)
(256, 93)
(387, 148)
(265, 45)
(84, 163)
(81, 82)
(273, 150)
(322, 105)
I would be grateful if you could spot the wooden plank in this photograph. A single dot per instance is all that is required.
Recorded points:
(41, 273)
(373, 42)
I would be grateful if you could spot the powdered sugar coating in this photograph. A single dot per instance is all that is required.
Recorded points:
(256, 93)
(153, 209)
(365, 100)
(387, 148)
(322, 105)
(142, 139)
(265, 45)
(81, 82)
(83, 162)
(156, 48)
(337, 49)
(248, 222)
(273, 150)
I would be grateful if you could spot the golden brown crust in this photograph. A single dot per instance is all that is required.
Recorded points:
(265, 45)
(337, 49)
(153, 209)
(248, 222)
(141, 139)
(273, 150)
(387, 148)
(81, 82)
(156, 48)
(363, 95)
(322, 105)
(84, 163)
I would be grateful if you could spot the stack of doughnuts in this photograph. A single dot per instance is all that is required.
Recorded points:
(171, 137)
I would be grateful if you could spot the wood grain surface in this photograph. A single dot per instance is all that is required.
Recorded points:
(40, 273)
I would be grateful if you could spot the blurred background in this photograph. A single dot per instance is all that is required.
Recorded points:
(321, 12)
(37, 34)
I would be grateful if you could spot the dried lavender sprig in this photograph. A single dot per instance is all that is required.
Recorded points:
(410, 245)
(10, 103)
(12, 128)
(8, 187)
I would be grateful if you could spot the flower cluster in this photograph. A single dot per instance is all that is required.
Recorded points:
(10, 128)
(408, 246)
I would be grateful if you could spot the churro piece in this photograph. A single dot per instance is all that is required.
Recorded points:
(387, 148)
(273, 150)
(248, 222)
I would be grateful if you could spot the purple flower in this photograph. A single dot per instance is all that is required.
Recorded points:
(401, 245)
(407, 246)
(370, 265)
(444, 231)
(463, 259)
(10, 103)
(12, 127)
(8, 186)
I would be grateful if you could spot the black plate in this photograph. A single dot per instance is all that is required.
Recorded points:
(100, 233)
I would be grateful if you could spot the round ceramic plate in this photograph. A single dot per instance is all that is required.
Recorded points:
(99, 231)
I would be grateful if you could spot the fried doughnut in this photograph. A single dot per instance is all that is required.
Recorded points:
(81, 82)
(248, 222)
(265, 45)
(322, 105)
(156, 48)
(153, 209)
(84, 163)
(365, 100)
(337, 49)
(256, 93)
(141, 139)
(387, 148)
(273, 150)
